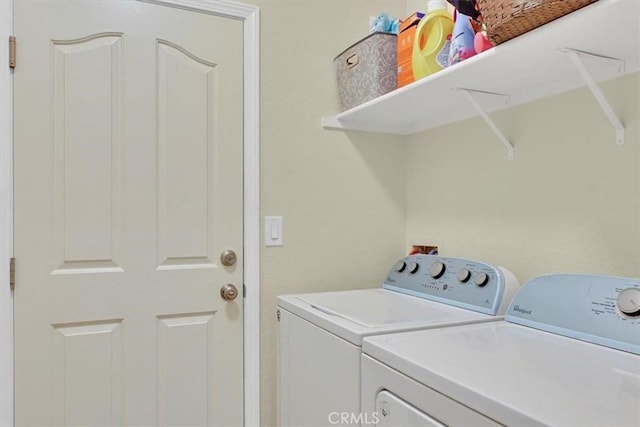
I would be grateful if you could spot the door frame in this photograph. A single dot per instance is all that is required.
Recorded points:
(250, 17)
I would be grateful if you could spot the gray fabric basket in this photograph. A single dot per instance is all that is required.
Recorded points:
(367, 69)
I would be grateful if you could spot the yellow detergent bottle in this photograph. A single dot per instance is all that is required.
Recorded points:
(432, 40)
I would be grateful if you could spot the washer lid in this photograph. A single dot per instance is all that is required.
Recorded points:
(519, 375)
(355, 314)
(380, 308)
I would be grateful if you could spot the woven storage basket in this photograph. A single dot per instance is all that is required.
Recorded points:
(506, 19)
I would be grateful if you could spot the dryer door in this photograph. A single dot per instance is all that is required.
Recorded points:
(393, 411)
(394, 399)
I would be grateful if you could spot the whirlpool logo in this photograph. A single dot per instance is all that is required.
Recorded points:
(521, 310)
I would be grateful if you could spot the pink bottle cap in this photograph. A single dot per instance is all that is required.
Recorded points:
(481, 43)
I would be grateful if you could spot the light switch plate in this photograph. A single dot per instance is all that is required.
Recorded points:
(273, 229)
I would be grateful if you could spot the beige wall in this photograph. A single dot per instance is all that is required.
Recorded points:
(569, 202)
(342, 195)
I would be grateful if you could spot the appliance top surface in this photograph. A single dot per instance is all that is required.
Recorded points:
(518, 374)
(372, 308)
(355, 314)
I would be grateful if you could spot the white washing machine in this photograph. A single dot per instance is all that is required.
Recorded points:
(321, 334)
(566, 354)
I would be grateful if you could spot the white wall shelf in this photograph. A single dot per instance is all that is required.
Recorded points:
(593, 44)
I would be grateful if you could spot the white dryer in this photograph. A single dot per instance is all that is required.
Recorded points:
(566, 354)
(321, 334)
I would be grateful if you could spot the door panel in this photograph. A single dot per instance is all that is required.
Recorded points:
(180, 370)
(88, 373)
(128, 186)
(187, 95)
(87, 177)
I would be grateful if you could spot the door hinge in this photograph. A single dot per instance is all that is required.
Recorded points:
(12, 52)
(244, 290)
(12, 273)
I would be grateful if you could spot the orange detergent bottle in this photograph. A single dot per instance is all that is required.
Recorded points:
(432, 40)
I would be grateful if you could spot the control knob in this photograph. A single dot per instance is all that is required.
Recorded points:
(629, 302)
(481, 279)
(437, 269)
(464, 275)
(413, 267)
(400, 266)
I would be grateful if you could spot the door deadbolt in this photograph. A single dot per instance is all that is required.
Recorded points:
(228, 292)
(228, 257)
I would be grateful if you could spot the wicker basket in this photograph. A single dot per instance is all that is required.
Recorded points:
(506, 19)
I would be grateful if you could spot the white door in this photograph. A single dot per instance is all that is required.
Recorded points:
(128, 187)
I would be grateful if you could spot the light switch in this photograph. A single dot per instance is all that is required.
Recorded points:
(273, 231)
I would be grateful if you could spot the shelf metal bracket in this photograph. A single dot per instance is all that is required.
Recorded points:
(469, 93)
(575, 56)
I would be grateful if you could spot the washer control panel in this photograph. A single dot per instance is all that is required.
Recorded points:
(599, 309)
(459, 282)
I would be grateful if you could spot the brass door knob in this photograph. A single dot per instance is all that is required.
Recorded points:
(228, 292)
